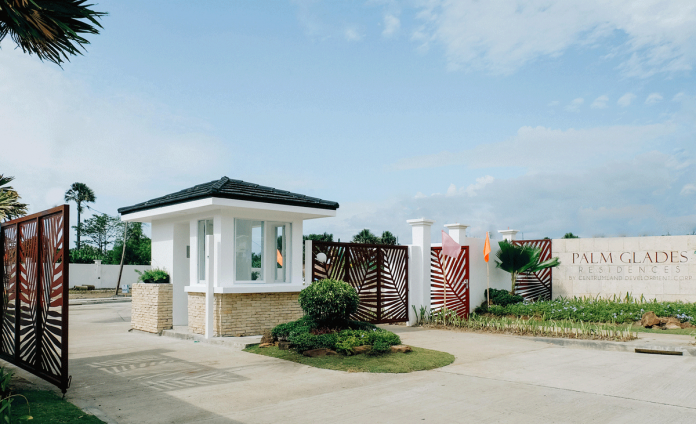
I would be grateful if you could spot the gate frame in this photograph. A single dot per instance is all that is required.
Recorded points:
(464, 250)
(62, 381)
(378, 260)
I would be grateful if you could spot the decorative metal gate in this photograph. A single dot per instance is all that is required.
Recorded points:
(34, 252)
(456, 292)
(378, 272)
(535, 285)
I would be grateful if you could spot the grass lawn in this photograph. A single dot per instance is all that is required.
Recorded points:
(684, 331)
(47, 407)
(419, 359)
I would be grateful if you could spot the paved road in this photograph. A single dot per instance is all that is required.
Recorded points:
(136, 378)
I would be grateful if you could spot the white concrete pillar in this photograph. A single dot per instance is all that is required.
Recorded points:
(509, 235)
(457, 232)
(97, 273)
(209, 286)
(308, 262)
(419, 266)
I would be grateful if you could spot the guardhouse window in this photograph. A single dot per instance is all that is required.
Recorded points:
(248, 237)
(282, 238)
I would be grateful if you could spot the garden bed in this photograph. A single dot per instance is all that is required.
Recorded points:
(417, 360)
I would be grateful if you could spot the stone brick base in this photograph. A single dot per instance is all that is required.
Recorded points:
(243, 314)
(151, 307)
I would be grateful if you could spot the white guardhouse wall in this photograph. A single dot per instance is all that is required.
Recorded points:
(662, 268)
(104, 276)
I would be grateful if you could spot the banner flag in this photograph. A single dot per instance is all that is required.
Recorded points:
(487, 248)
(450, 247)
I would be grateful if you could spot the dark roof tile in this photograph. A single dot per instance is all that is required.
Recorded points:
(232, 189)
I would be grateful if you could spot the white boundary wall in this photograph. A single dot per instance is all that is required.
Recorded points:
(662, 268)
(104, 276)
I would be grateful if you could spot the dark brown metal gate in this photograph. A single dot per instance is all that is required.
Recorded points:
(535, 285)
(34, 252)
(456, 292)
(378, 272)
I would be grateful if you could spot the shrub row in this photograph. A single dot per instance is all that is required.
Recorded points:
(597, 310)
(300, 334)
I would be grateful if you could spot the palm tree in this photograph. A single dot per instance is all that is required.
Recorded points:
(365, 236)
(48, 28)
(517, 259)
(79, 193)
(10, 207)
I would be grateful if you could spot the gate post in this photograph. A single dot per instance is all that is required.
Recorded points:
(419, 266)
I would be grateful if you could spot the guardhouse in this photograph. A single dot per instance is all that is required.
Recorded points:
(233, 250)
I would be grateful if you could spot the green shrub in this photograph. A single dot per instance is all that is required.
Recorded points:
(155, 275)
(618, 310)
(329, 302)
(302, 325)
(302, 341)
(504, 298)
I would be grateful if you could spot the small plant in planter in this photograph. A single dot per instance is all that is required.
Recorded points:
(154, 276)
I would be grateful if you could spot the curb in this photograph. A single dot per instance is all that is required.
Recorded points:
(236, 343)
(615, 346)
(97, 301)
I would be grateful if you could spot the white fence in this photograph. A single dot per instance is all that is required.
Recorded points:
(103, 276)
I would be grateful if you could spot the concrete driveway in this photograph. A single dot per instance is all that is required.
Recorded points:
(127, 377)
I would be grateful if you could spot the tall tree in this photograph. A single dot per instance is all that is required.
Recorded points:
(49, 29)
(365, 236)
(101, 230)
(79, 193)
(388, 238)
(10, 206)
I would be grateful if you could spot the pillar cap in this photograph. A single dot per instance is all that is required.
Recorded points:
(420, 222)
(457, 226)
(510, 232)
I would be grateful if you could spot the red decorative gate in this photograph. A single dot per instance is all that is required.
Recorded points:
(535, 285)
(456, 291)
(379, 273)
(35, 294)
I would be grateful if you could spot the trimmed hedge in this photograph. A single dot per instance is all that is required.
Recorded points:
(330, 302)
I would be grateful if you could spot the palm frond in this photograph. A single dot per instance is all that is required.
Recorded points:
(49, 28)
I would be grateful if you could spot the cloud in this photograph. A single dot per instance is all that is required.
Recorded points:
(688, 189)
(391, 25)
(537, 148)
(554, 103)
(500, 37)
(626, 196)
(352, 34)
(126, 147)
(574, 106)
(653, 98)
(679, 97)
(626, 99)
(600, 102)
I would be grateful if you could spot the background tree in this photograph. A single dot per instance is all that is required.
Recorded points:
(138, 247)
(569, 236)
(365, 236)
(10, 206)
(517, 259)
(49, 29)
(388, 238)
(79, 193)
(101, 230)
(316, 237)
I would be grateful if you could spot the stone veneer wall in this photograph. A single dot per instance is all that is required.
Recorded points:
(151, 307)
(243, 314)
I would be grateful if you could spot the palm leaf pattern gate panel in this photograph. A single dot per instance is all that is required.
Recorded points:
(456, 292)
(379, 273)
(35, 294)
(535, 285)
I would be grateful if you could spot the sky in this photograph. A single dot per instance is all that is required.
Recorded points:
(543, 116)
